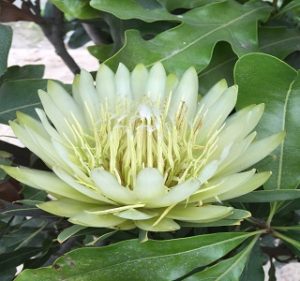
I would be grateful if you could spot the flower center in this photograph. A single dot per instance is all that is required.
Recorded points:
(135, 136)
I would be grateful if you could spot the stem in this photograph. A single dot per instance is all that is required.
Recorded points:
(286, 228)
(66, 247)
(54, 33)
(287, 239)
(272, 213)
(92, 33)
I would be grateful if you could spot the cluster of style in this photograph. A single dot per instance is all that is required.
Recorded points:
(142, 149)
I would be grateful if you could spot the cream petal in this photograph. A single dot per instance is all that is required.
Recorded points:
(75, 89)
(26, 139)
(176, 194)
(187, 93)
(255, 152)
(171, 84)
(164, 225)
(65, 207)
(46, 124)
(253, 183)
(32, 123)
(220, 185)
(84, 190)
(57, 118)
(134, 214)
(149, 185)
(88, 98)
(218, 113)
(35, 143)
(139, 77)
(68, 164)
(236, 151)
(208, 171)
(126, 225)
(105, 85)
(109, 187)
(156, 84)
(240, 124)
(122, 78)
(91, 220)
(65, 103)
(46, 181)
(213, 95)
(199, 214)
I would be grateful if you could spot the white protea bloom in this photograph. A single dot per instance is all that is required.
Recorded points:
(142, 149)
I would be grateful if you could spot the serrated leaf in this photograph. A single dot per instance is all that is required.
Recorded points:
(19, 95)
(148, 11)
(220, 67)
(5, 39)
(196, 37)
(131, 260)
(265, 79)
(279, 41)
(226, 270)
(80, 9)
(293, 7)
(185, 4)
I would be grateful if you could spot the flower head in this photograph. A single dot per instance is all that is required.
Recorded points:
(141, 149)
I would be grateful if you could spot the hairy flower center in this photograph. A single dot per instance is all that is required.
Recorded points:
(133, 137)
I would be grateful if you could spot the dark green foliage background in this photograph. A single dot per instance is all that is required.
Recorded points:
(255, 44)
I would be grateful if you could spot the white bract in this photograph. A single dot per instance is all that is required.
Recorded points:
(142, 149)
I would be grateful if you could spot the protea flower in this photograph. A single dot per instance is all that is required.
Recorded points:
(141, 149)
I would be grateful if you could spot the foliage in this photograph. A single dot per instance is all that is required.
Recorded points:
(252, 43)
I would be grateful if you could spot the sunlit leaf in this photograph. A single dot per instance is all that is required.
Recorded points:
(132, 260)
(195, 38)
(265, 79)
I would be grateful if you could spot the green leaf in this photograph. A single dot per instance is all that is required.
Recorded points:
(5, 159)
(17, 257)
(80, 9)
(148, 11)
(292, 241)
(69, 232)
(220, 66)
(287, 228)
(254, 267)
(226, 270)
(8, 274)
(263, 196)
(196, 37)
(78, 38)
(5, 39)
(291, 8)
(16, 72)
(185, 4)
(279, 41)
(19, 95)
(132, 260)
(18, 210)
(265, 79)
